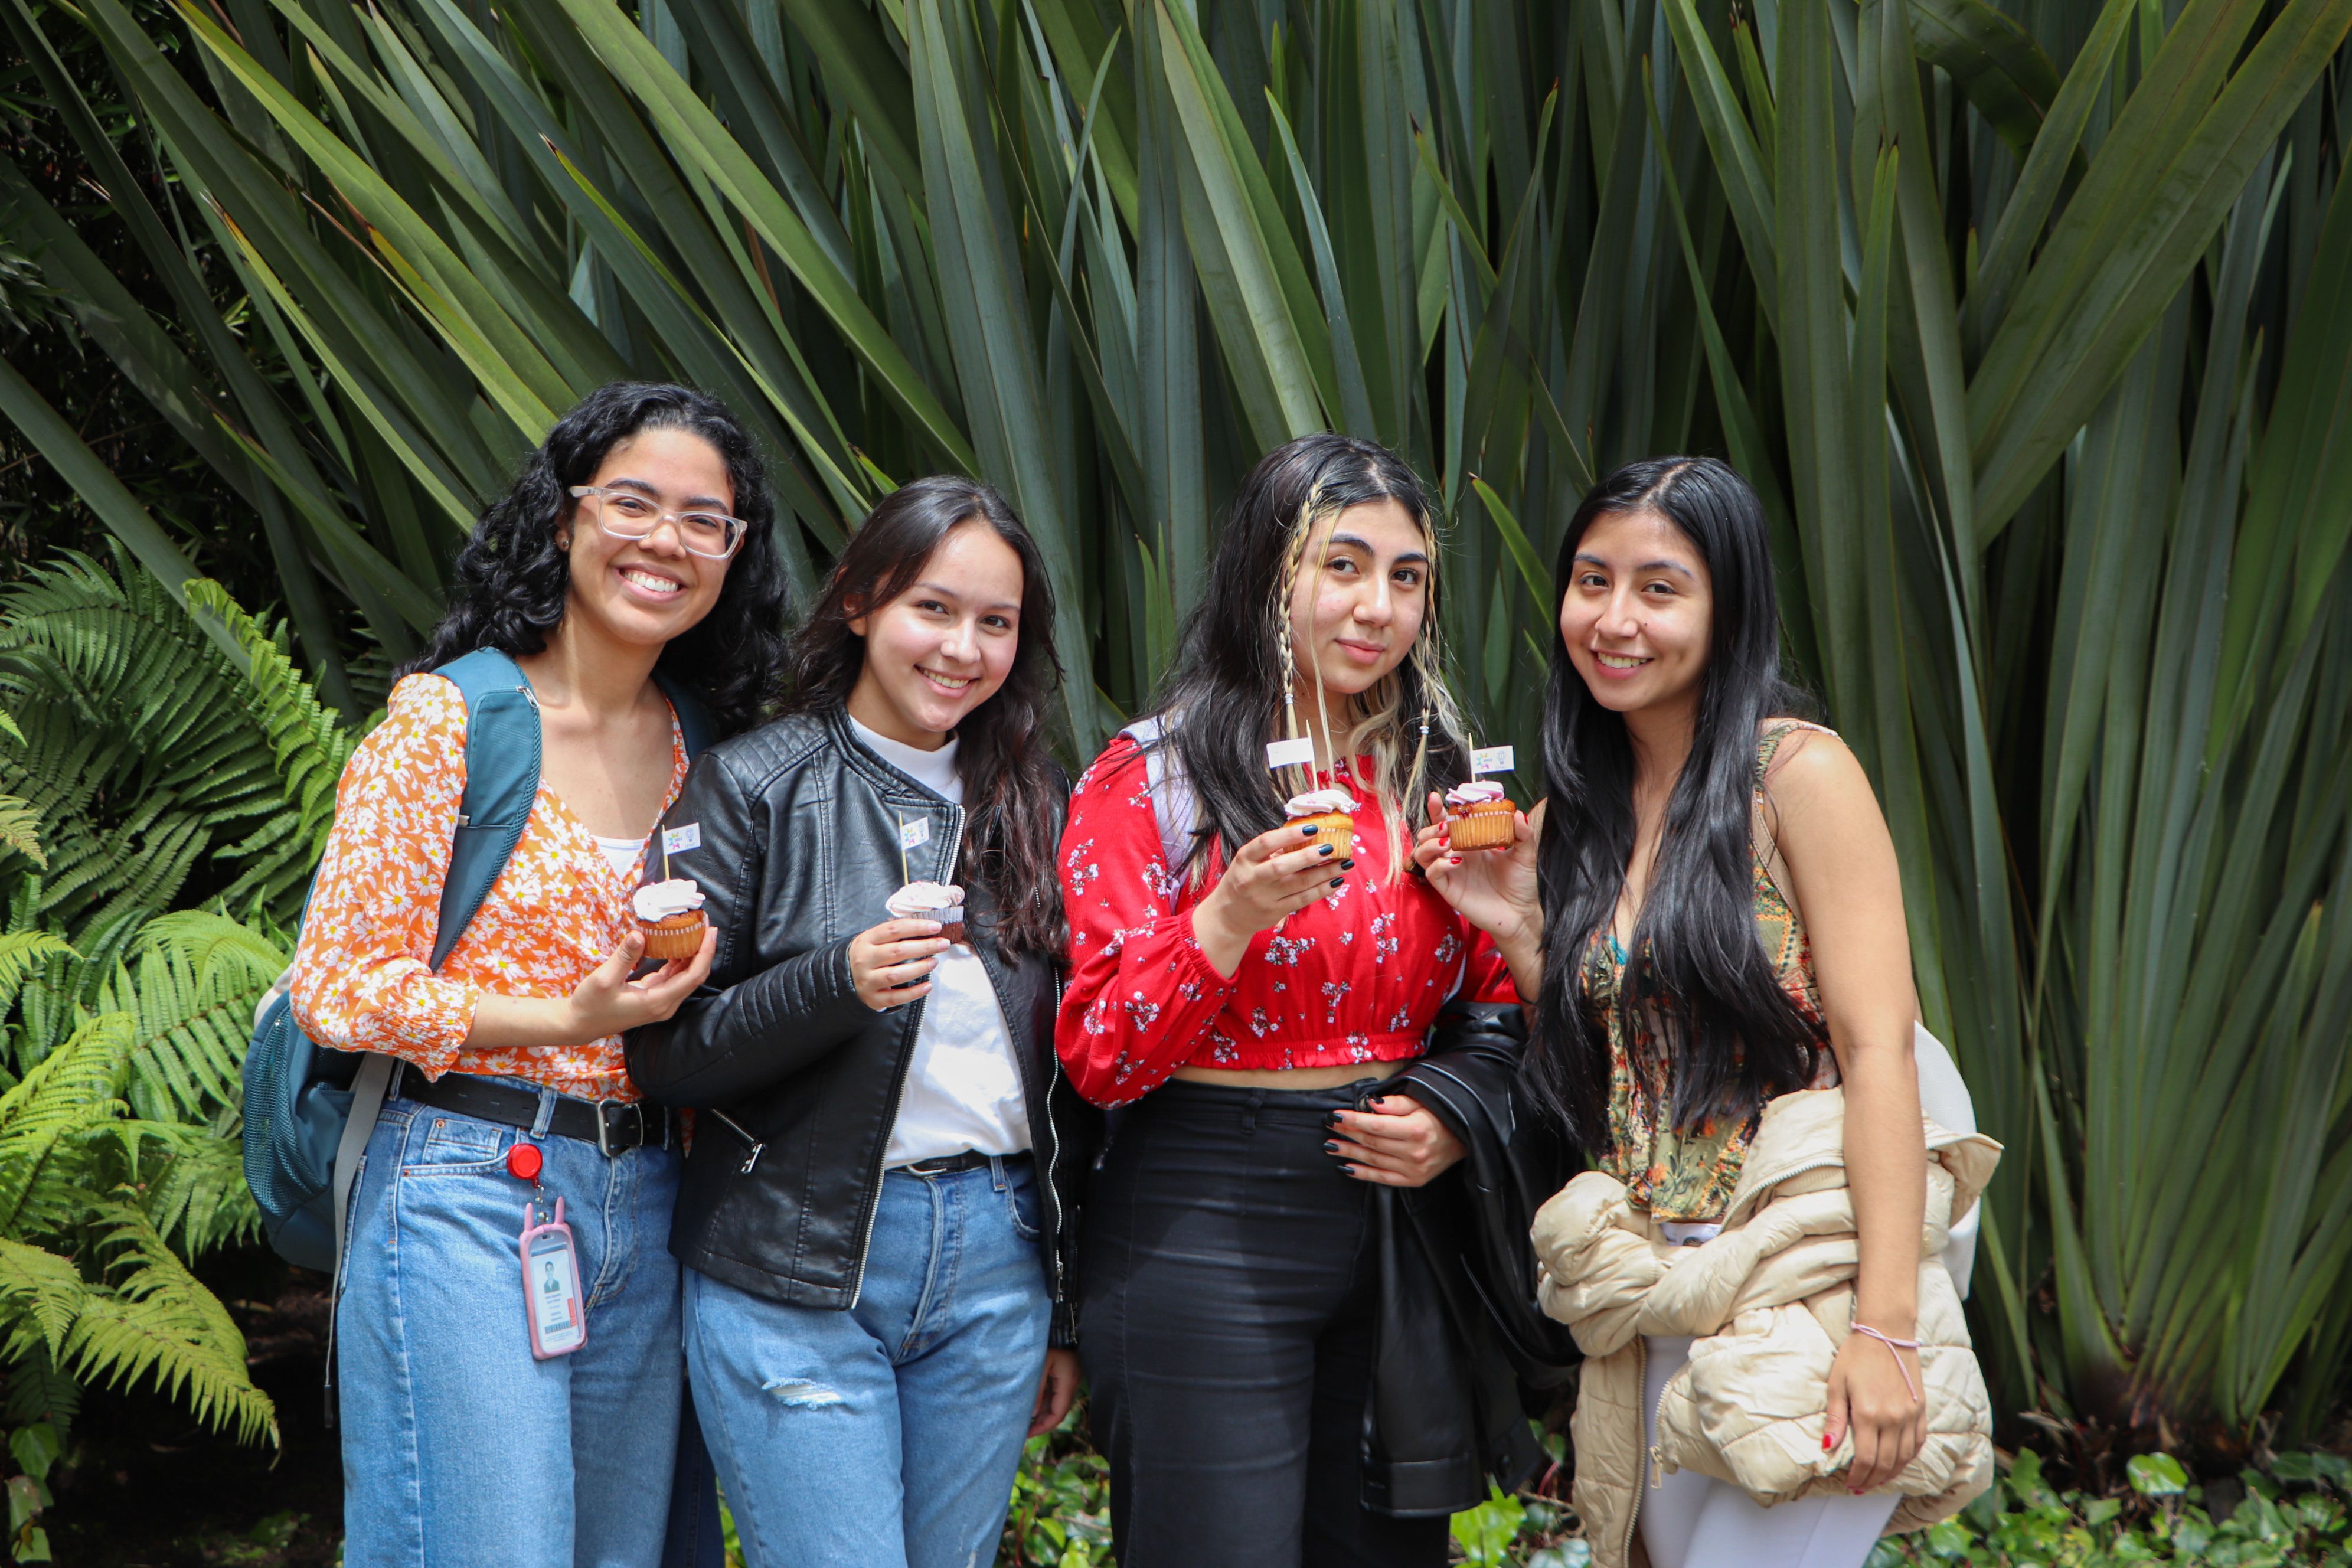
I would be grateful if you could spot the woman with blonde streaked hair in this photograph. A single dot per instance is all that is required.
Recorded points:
(1256, 998)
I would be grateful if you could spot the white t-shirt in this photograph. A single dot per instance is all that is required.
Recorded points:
(621, 854)
(964, 1085)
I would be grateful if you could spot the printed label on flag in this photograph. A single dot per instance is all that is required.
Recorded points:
(679, 840)
(913, 833)
(1299, 754)
(1490, 760)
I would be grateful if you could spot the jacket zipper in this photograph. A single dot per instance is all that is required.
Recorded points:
(1776, 1179)
(1634, 1519)
(1054, 1143)
(898, 1093)
(735, 1127)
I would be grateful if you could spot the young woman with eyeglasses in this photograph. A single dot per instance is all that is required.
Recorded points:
(628, 570)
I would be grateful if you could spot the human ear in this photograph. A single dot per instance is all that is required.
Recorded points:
(855, 619)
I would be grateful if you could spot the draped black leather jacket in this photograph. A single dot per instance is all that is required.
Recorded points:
(796, 1080)
(1461, 1345)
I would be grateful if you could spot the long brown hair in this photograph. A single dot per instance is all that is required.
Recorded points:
(1014, 793)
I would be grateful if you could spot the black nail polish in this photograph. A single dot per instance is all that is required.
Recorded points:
(1310, 831)
(1332, 1121)
(1337, 880)
(1346, 864)
(1330, 1146)
(1325, 851)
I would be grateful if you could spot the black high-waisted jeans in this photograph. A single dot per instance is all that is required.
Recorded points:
(1226, 1322)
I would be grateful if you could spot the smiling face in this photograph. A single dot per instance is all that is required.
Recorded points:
(1639, 613)
(644, 591)
(944, 647)
(1354, 621)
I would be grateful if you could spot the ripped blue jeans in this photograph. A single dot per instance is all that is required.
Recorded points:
(887, 1436)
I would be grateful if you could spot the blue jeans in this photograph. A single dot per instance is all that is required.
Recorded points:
(887, 1436)
(458, 1449)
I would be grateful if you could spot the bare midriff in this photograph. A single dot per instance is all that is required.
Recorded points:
(1293, 1077)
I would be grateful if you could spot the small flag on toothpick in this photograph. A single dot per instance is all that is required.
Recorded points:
(913, 833)
(679, 840)
(1491, 760)
(1297, 753)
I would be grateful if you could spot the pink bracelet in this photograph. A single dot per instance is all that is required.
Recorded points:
(1894, 1346)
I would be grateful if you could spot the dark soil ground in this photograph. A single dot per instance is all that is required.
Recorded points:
(144, 1486)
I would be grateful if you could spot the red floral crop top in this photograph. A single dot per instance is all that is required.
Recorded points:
(1356, 978)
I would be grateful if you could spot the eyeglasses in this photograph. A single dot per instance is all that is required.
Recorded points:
(625, 514)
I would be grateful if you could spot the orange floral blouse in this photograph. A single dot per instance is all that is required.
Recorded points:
(362, 980)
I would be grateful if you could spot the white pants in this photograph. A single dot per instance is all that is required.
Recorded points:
(1697, 1521)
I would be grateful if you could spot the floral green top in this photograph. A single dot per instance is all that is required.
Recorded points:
(1689, 1175)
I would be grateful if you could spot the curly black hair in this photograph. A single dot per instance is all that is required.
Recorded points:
(513, 578)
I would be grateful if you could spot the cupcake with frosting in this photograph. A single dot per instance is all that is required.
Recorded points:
(1328, 811)
(940, 901)
(1478, 816)
(670, 914)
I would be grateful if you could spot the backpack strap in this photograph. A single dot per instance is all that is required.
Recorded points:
(502, 761)
(502, 756)
(1173, 804)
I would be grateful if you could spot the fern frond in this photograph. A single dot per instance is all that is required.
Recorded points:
(20, 828)
(155, 1320)
(46, 1289)
(45, 1121)
(24, 953)
(310, 742)
(218, 946)
(195, 1195)
(38, 1390)
(138, 745)
(190, 999)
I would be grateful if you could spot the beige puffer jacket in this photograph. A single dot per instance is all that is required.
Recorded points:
(1769, 1302)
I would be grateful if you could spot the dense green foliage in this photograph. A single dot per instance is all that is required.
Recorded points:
(161, 795)
(2031, 321)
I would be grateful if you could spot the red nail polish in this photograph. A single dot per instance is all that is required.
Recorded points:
(1825, 1442)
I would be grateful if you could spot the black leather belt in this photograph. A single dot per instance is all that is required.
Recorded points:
(949, 1165)
(613, 1126)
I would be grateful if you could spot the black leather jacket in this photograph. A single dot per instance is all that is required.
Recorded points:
(1459, 1338)
(797, 1080)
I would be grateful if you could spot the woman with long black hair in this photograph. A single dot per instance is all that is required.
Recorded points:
(630, 576)
(1708, 910)
(1256, 998)
(876, 1213)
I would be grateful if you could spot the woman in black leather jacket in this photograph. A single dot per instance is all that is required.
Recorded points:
(876, 1213)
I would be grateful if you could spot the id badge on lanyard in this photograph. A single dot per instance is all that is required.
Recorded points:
(551, 1285)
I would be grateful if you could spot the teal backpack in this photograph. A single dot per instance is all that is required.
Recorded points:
(309, 1110)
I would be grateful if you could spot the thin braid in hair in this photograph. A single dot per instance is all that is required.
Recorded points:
(1293, 556)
